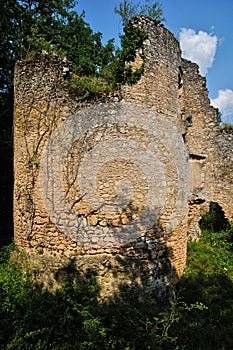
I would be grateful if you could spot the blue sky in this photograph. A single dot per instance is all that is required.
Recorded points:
(204, 29)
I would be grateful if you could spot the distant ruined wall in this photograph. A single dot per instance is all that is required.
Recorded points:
(117, 183)
(210, 148)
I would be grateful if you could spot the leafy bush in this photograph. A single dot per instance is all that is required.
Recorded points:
(131, 42)
(215, 219)
(116, 73)
(88, 87)
(74, 318)
(208, 279)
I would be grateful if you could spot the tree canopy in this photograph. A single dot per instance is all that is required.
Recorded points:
(29, 26)
(128, 9)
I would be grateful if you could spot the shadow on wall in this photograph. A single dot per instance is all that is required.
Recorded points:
(139, 271)
(140, 268)
(215, 219)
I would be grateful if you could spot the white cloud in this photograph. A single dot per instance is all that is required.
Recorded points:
(198, 47)
(224, 102)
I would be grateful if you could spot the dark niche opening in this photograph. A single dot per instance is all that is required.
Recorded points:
(215, 219)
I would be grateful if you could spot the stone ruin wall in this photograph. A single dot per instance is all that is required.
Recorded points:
(210, 150)
(117, 183)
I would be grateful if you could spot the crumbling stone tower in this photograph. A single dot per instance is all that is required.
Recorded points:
(116, 184)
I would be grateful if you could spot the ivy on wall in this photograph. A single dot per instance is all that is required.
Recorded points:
(132, 42)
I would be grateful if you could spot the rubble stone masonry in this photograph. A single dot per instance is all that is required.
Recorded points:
(117, 184)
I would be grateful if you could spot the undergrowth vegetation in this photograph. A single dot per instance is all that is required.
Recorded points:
(208, 279)
(88, 87)
(73, 317)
